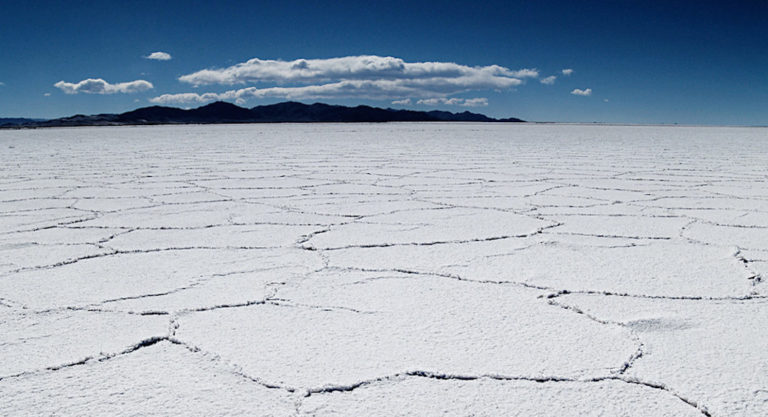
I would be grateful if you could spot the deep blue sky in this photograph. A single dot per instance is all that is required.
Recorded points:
(653, 61)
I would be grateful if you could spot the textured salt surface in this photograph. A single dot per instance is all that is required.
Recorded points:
(396, 269)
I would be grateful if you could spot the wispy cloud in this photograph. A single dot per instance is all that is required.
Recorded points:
(47, 94)
(567, 71)
(469, 102)
(580, 92)
(368, 76)
(403, 102)
(475, 102)
(159, 56)
(2, 83)
(548, 80)
(99, 86)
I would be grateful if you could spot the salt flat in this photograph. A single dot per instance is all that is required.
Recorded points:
(384, 270)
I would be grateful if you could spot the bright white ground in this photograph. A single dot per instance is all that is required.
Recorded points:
(384, 270)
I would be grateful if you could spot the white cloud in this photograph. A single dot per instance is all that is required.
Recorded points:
(99, 86)
(548, 80)
(185, 98)
(567, 71)
(605, 100)
(368, 89)
(525, 73)
(365, 67)
(362, 77)
(403, 102)
(580, 92)
(47, 94)
(475, 102)
(2, 83)
(159, 56)
(441, 100)
(469, 102)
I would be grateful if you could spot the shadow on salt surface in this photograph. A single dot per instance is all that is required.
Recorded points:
(709, 350)
(659, 324)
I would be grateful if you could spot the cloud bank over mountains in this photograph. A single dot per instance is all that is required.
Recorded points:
(368, 77)
(466, 102)
(365, 77)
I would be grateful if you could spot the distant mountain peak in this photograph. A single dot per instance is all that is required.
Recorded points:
(219, 105)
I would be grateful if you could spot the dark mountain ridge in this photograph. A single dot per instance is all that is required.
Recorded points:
(290, 111)
(10, 121)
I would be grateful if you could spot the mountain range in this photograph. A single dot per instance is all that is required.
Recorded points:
(287, 112)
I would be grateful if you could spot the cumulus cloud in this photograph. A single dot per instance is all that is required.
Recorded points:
(362, 77)
(469, 102)
(580, 92)
(185, 98)
(365, 67)
(567, 71)
(159, 56)
(368, 89)
(403, 102)
(525, 73)
(548, 80)
(99, 86)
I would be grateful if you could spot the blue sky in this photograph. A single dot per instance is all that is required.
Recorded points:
(692, 62)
